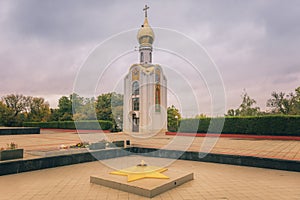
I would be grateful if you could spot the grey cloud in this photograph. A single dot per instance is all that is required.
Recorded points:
(43, 43)
(60, 20)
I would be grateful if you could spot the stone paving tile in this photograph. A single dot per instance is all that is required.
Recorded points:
(212, 181)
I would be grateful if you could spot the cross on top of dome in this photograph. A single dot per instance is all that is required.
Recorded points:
(145, 9)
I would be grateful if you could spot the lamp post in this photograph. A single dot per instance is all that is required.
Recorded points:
(119, 126)
(176, 117)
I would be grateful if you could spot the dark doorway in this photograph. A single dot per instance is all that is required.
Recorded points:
(135, 123)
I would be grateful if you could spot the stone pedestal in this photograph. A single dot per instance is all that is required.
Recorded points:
(146, 187)
(11, 154)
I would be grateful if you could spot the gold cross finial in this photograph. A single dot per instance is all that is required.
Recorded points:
(145, 9)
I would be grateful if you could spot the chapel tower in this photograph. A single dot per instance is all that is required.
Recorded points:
(145, 89)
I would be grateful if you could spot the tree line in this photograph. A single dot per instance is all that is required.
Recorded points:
(280, 103)
(17, 108)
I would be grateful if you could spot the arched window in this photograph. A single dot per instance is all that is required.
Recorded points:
(135, 88)
(157, 98)
(135, 104)
(142, 57)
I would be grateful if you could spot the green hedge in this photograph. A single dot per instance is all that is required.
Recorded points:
(263, 125)
(91, 124)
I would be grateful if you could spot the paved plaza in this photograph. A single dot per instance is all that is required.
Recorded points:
(51, 139)
(212, 181)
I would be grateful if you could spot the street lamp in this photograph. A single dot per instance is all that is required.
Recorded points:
(176, 117)
(119, 125)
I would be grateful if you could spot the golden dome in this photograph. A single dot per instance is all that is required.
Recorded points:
(145, 35)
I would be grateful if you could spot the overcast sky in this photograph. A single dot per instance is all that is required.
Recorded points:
(255, 44)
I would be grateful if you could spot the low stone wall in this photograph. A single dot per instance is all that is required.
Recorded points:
(18, 166)
(19, 130)
(251, 161)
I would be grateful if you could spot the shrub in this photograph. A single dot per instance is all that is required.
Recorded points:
(89, 124)
(262, 125)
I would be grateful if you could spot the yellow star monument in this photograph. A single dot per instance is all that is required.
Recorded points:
(141, 171)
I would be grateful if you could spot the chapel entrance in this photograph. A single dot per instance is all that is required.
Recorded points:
(135, 123)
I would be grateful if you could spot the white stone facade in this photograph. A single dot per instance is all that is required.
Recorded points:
(145, 91)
